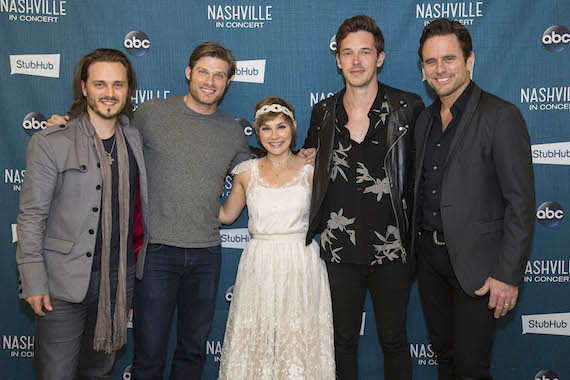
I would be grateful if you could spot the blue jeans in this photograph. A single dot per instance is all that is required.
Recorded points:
(182, 278)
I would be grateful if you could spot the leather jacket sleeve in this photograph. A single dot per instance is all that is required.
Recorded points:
(312, 139)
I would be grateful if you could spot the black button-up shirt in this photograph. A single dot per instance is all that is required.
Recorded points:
(437, 148)
(361, 224)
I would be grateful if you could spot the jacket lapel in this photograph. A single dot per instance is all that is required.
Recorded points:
(464, 123)
(421, 145)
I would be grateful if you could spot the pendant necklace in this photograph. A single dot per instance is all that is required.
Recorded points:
(110, 154)
(279, 164)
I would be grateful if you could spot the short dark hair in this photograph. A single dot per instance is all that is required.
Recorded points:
(358, 23)
(272, 115)
(444, 27)
(216, 50)
(79, 106)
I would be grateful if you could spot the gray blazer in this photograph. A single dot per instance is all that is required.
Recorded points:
(59, 203)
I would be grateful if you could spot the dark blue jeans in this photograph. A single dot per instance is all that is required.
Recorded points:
(182, 278)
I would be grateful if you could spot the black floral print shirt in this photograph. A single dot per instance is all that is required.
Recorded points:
(360, 221)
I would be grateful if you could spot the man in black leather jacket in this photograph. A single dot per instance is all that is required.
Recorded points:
(362, 198)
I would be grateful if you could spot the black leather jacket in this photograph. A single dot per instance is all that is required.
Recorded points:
(404, 110)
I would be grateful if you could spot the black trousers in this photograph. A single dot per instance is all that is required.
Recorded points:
(461, 327)
(389, 285)
(64, 337)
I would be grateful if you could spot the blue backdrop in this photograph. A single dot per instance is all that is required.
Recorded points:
(285, 48)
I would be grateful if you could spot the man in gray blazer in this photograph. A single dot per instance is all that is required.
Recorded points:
(75, 252)
(474, 205)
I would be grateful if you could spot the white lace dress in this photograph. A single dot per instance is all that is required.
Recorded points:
(280, 320)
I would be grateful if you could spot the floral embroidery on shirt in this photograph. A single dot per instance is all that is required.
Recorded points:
(339, 159)
(391, 247)
(340, 222)
(383, 113)
(379, 186)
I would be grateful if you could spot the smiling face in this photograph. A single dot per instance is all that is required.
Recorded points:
(106, 89)
(208, 82)
(276, 135)
(358, 59)
(446, 69)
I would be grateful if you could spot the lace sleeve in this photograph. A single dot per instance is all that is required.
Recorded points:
(242, 167)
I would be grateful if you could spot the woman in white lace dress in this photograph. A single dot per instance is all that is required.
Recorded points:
(280, 320)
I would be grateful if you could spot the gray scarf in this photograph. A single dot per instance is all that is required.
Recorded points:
(110, 335)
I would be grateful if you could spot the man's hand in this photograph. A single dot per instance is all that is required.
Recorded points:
(502, 297)
(36, 302)
(308, 155)
(57, 120)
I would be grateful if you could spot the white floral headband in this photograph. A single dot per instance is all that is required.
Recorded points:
(274, 108)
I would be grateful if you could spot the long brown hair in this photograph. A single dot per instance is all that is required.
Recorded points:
(79, 106)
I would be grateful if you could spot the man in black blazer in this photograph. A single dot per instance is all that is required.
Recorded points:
(474, 205)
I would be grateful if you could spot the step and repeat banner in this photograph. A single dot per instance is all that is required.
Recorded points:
(287, 49)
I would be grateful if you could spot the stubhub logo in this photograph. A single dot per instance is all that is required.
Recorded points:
(252, 71)
(551, 154)
(41, 65)
(235, 238)
(546, 324)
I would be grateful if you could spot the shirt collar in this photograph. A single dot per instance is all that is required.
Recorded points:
(342, 116)
(459, 104)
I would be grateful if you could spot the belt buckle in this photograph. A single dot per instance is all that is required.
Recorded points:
(437, 242)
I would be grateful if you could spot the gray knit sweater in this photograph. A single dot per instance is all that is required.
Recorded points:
(187, 157)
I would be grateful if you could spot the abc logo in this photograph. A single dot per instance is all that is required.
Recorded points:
(127, 373)
(332, 45)
(33, 122)
(137, 43)
(546, 375)
(229, 294)
(556, 38)
(246, 125)
(550, 214)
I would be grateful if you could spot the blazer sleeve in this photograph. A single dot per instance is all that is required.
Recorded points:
(35, 201)
(513, 163)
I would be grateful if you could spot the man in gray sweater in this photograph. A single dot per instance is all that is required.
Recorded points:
(189, 146)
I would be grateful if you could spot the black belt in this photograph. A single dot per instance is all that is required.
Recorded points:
(437, 237)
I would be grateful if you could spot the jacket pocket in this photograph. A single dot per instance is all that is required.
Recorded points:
(489, 227)
(58, 245)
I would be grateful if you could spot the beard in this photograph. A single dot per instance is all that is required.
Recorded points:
(105, 112)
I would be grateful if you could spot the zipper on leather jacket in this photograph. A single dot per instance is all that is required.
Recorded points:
(391, 198)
